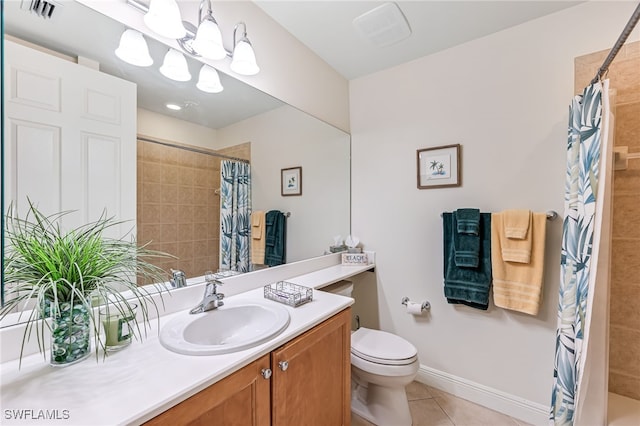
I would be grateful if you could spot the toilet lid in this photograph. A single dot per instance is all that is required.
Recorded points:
(382, 347)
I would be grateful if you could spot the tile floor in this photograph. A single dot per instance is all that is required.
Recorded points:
(432, 407)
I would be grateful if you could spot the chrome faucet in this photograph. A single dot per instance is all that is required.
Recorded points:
(178, 280)
(211, 300)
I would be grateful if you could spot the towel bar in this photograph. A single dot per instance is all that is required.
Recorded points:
(551, 215)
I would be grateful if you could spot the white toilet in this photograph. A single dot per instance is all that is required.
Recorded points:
(382, 364)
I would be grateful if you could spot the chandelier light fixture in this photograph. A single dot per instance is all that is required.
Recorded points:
(209, 80)
(243, 60)
(175, 66)
(208, 39)
(163, 18)
(133, 49)
(204, 40)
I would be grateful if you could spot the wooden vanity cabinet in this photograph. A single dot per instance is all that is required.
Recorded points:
(310, 385)
(311, 382)
(240, 399)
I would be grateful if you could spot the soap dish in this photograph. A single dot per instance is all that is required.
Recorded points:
(288, 293)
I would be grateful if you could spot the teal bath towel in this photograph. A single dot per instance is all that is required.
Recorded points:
(466, 245)
(468, 286)
(275, 238)
(468, 221)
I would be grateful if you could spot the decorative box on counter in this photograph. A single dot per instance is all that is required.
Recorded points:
(288, 293)
(355, 259)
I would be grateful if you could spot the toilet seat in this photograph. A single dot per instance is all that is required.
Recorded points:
(381, 347)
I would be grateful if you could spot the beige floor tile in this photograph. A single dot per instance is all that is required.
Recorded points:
(426, 412)
(465, 413)
(436, 392)
(417, 390)
(432, 407)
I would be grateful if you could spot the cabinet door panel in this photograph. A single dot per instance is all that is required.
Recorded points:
(242, 399)
(314, 389)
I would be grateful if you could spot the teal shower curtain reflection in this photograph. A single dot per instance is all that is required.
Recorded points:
(235, 214)
(576, 282)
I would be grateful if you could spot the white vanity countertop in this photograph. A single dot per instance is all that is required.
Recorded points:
(330, 275)
(143, 380)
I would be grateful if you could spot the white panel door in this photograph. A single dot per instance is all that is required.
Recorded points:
(72, 133)
(34, 149)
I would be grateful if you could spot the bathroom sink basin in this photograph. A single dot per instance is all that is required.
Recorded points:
(238, 325)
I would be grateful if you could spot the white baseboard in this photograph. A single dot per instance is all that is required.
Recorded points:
(511, 405)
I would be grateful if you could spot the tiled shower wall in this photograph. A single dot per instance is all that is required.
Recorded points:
(624, 326)
(178, 207)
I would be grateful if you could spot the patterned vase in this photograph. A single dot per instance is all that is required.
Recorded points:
(70, 334)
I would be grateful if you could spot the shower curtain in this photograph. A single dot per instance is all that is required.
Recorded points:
(235, 213)
(584, 196)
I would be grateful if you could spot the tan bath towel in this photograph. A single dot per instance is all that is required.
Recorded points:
(516, 236)
(518, 286)
(516, 223)
(258, 237)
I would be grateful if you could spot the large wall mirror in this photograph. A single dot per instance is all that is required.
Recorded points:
(176, 152)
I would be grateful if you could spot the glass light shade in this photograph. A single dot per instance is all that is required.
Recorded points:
(208, 41)
(175, 66)
(244, 59)
(133, 49)
(209, 80)
(164, 18)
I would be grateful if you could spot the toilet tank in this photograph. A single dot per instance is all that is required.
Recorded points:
(343, 288)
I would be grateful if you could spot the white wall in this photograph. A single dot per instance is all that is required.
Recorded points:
(166, 128)
(286, 137)
(505, 98)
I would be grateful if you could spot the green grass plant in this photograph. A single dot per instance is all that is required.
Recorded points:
(51, 266)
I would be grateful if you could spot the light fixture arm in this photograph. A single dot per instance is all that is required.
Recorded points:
(137, 4)
(209, 11)
(244, 32)
(191, 29)
(242, 56)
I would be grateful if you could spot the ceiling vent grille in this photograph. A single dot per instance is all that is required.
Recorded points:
(384, 25)
(42, 8)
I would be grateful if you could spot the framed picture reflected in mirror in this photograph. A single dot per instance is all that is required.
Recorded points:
(291, 181)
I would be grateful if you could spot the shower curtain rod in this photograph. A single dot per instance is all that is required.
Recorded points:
(192, 149)
(619, 43)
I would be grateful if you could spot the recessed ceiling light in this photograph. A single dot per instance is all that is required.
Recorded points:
(174, 107)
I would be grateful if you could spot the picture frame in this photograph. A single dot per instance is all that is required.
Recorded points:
(439, 167)
(291, 181)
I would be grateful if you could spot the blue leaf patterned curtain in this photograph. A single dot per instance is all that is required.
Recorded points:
(235, 213)
(583, 170)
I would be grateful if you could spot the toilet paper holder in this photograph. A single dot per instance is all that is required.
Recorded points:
(425, 305)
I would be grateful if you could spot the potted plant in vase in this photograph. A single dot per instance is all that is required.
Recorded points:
(66, 272)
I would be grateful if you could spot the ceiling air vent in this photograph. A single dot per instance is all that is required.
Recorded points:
(42, 8)
(384, 25)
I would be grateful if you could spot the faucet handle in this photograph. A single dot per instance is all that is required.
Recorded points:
(211, 288)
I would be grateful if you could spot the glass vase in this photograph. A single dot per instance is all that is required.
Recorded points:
(70, 334)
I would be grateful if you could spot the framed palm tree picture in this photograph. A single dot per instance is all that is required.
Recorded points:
(291, 181)
(439, 167)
